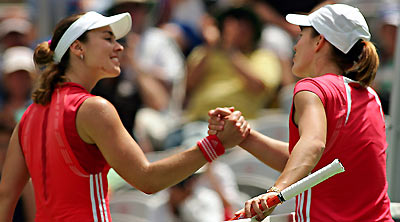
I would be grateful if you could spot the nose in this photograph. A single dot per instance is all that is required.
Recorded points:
(118, 47)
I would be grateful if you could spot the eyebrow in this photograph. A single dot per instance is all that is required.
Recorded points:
(109, 32)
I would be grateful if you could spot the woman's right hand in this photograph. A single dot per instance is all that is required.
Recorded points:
(229, 125)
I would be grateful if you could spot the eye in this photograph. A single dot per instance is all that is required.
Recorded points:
(109, 39)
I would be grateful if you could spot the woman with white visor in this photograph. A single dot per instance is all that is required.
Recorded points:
(68, 139)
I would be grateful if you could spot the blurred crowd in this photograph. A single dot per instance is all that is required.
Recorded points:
(181, 59)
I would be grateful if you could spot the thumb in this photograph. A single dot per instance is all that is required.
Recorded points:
(241, 211)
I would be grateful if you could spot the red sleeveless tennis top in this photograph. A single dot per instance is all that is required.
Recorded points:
(69, 176)
(356, 136)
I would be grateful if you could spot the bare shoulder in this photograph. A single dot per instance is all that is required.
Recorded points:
(96, 108)
(94, 114)
(95, 103)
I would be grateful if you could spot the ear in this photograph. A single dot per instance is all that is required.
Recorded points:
(76, 48)
(319, 43)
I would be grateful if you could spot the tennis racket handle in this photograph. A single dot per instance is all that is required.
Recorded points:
(271, 202)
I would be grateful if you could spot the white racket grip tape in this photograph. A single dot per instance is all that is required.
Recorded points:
(313, 179)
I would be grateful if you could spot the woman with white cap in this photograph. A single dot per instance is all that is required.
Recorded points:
(335, 114)
(68, 139)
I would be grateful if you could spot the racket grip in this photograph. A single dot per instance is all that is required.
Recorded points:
(271, 202)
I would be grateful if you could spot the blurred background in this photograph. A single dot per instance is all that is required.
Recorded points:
(190, 56)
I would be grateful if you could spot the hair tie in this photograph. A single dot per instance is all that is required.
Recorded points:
(49, 42)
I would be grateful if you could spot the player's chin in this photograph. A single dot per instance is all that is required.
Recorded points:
(112, 72)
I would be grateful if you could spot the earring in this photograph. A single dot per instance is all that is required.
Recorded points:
(81, 56)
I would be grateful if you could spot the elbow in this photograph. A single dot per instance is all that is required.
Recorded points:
(147, 185)
(149, 192)
(148, 189)
(319, 147)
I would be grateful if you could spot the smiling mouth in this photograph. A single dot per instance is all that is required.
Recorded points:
(115, 59)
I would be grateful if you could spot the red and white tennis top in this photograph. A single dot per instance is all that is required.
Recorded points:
(69, 176)
(356, 136)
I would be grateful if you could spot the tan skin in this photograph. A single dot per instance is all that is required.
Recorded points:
(98, 123)
(312, 59)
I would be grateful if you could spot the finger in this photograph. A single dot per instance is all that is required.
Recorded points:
(256, 208)
(214, 120)
(247, 208)
(212, 132)
(244, 125)
(240, 122)
(219, 111)
(239, 212)
(216, 127)
(244, 128)
(246, 131)
(264, 203)
(216, 124)
(234, 116)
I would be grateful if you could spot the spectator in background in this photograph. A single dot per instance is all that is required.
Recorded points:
(182, 19)
(15, 31)
(25, 209)
(388, 25)
(188, 202)
(18, 74)
(152, 70)
(228, 70)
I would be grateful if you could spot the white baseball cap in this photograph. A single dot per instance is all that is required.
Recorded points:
(18, 58)
(120, 25)
(18, 25)
(342, 25)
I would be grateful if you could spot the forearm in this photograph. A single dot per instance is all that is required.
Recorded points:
(242, 66)
(153, 92)
(195, 74)
(170, 171)
(272, 152)
(301, 162)
(28, 198)
(7, 205)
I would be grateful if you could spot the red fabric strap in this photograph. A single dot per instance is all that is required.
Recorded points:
(211, 147)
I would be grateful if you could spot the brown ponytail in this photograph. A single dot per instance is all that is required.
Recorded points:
(52, 74)
(360, 63)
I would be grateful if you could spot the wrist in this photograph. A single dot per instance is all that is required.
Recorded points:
(211, 147)
(274, 189)
(246, 140)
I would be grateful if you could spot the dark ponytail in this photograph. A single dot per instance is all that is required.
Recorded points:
(52, 73)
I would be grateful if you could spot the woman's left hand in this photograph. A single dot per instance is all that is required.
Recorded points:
(258, 207)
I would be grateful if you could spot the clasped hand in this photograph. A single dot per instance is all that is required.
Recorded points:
(229, 125)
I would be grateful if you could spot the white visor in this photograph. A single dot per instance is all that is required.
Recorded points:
(342, 25)
(120, 25)
(301, 20)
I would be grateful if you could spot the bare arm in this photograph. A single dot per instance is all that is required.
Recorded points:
(241, 64)
(104, 128)
(29, 205)
(311, 119)
(195, 71)
(154, 91)
(14, 177)
(272, 152)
